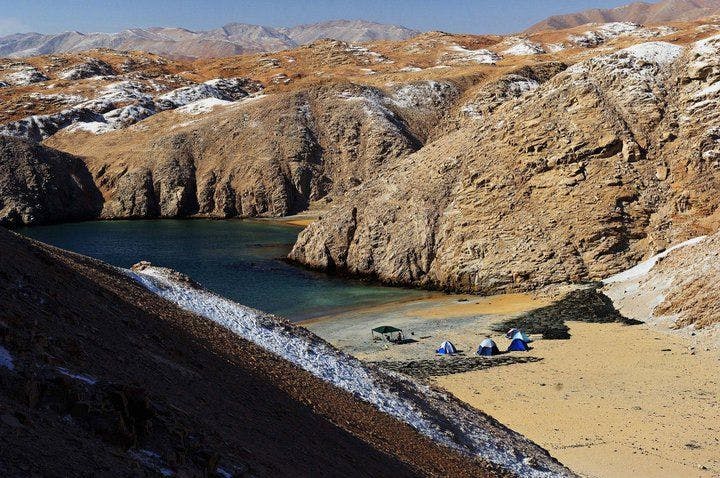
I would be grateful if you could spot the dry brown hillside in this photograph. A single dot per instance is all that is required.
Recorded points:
(100, 377)
(608, 161)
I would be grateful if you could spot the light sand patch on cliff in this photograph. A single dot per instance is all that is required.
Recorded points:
(613, 401)
(302, 219)
(496, 304)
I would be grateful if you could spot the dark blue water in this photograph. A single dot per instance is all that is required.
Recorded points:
(241, 260)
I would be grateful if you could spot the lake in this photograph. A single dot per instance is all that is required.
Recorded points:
(241, 260)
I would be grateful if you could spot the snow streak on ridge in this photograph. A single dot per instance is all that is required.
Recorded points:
(431, 413)
(644, 267)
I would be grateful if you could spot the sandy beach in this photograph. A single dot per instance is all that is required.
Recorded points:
(464, 320)
(612, 401)
(303, 219)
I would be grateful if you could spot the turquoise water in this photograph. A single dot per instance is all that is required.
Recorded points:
(241, 260)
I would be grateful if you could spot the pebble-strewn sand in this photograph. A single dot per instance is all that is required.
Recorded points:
(613, 401)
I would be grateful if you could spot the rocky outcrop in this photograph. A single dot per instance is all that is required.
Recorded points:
(41, 185)
(24, 75)
(88, 69)
(605, 163)
(122, 104)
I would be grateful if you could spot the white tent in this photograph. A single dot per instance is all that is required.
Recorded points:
(518, 334)
(446, 348)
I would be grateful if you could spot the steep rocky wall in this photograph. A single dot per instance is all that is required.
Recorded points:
(41, 185)
(606, 162)
(268, 156)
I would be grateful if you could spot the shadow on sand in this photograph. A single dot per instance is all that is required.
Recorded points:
(582, 305)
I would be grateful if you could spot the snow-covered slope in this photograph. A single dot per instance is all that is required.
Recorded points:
(125, 103)
(433, 413)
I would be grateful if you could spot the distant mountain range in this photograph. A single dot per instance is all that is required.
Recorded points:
(639, 12)
(231, 39)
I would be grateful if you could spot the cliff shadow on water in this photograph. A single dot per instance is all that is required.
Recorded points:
(581, 305)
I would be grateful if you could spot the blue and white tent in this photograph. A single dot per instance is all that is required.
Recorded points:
(518, 334)
(488, 347)
(518, 345)
(446, 348)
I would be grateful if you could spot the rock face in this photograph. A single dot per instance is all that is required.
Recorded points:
(269, 156)
(41, 185)
(559, 185)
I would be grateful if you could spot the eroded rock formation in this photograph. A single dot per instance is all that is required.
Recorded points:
(42, 185)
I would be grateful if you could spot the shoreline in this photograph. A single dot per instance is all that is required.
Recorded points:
(426, 322)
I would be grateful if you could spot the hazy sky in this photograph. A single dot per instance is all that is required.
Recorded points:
(466, 16)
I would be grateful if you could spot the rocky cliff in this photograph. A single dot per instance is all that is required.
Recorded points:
(269, 156)
(41, 185)
(609, 160)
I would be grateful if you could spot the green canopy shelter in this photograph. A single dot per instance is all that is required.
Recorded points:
(387, 331)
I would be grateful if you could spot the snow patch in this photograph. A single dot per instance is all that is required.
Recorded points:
(644, 267)
(426, 95)
(707, 46)
(77, 376)
(223, 473)
(523, 47)
(90, 69)
(373, 105)
(662, 53)
(152, 461)
(6, 359)
(463, 55)
(228, 89)
(113, 120)
(58, 97)
(94, 127)
(367, 54)
(606, 32)
(205, 105)
(25, 75)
